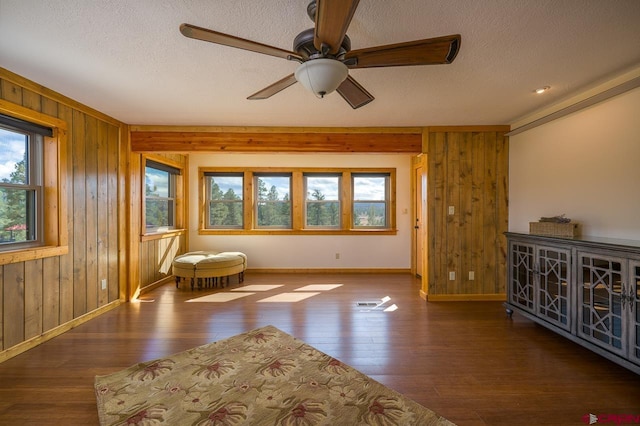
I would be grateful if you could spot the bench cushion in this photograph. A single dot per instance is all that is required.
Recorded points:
(209, 264)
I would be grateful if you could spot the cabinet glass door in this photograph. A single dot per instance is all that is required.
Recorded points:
(553, 290)
(600, 301)
(522, 276)
(634, 300)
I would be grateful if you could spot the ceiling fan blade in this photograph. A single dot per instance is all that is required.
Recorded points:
(352, 92)
(276, 87)
(332, 21)
(211, 36)
(439, 50)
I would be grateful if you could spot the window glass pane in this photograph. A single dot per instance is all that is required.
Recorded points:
(159, 212)
(156, 183)
(274, 202)
(369, 188)
(17, 215)
(370, 201)
(225, 201)
(159, 199)
(322, 201)
(13, 157)
(369, 214)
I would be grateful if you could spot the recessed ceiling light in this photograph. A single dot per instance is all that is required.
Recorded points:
(541, 90)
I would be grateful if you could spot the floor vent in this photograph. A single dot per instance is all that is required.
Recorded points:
(366, 304)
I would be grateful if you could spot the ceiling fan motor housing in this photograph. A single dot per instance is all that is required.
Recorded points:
(303, 45)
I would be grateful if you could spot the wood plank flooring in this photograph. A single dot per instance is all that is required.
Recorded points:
(465, 360)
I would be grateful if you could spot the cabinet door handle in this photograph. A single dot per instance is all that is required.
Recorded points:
(623, 295)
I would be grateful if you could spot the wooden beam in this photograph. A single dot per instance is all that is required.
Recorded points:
(168, 141)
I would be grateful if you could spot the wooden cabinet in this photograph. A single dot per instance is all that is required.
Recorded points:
(586, 289)
(538, 280)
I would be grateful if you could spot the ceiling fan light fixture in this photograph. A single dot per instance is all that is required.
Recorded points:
(321, 76)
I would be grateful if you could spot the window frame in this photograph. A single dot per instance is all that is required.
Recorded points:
(354, 176)
(308, 202)
(298, 202)
(257, 202)
(175, 192)
(53, 217)
(208, 201)
(32, 187)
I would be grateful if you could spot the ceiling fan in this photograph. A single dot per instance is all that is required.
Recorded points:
(325, 55)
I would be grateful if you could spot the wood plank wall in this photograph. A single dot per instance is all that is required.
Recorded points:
(467, 171)
(156, 251)
(38, 297)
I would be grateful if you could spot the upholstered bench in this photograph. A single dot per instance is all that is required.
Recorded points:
(205, 267)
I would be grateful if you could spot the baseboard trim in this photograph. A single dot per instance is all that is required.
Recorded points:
(329, 270)
(498, 297)
(54, 332)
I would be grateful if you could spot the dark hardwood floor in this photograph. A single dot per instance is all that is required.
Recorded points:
(465, 360)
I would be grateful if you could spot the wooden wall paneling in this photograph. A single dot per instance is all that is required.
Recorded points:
(490, 229)
(33, 298)
(436, 207)
(49, 107)
(467, 170)
(114, 210)
(79, 216)
(466, 215)
(11, 92)
(502, 178)
(40, 295)
(51, 293)
(134, 220)
(478, 219)
(453, 220)
(152, 255)
(161, 254)
(31, 100)
(102, 202)
(144, 264)
(14, 314)
(66, 261)
(92, 213)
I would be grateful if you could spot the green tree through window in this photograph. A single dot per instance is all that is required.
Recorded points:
(274, 204)
(19, 189)
(226, 208)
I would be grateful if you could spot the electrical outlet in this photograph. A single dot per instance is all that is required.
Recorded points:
(104, 283)
(337, 256)
(472, 275)
(452, 210)
(452, 276)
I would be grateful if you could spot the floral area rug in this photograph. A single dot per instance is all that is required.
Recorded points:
(261, 377)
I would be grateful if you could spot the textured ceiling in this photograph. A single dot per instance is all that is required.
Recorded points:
(127, 58)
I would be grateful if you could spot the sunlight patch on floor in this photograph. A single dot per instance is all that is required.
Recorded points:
(288, 297)
(318, 287)
(220, 297)
(258, 287)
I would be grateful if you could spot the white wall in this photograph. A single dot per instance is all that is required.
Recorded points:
(314, 251)
(585, 165)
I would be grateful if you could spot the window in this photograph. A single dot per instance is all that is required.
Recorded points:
(21, 193)
(370, 200)
(160, 196)
(224, 198)
(322, 203)
(273, 200)
(286, 201)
